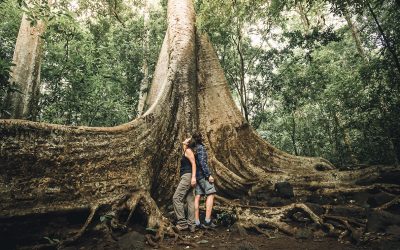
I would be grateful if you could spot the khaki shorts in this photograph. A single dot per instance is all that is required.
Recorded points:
(204, 187)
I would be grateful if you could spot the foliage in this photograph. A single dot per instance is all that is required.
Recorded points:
(295, 68)
(92, 69)
(310, 91)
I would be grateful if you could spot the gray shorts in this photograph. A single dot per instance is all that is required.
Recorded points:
(204, 187)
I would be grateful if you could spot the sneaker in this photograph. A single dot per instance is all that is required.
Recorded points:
(182, 227)
(208, 225)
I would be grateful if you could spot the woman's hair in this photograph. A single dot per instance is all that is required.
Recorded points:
(197, 137)
(192, 144)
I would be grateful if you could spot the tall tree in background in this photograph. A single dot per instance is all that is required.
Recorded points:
(355, 34)
(22, 103)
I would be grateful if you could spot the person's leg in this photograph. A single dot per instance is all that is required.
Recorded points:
(191, 208)
(210, 191)
(179, 195)
(197, 209)
(209, 206)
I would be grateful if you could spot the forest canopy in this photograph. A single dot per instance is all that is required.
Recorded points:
(315, 78)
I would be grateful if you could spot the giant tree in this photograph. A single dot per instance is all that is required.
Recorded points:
(49, 168)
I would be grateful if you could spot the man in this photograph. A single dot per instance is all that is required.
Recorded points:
(205, 183)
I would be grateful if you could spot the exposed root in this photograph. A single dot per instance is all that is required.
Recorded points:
(132, 205)
(252, 217)
(344, 234)
(389, 204)
(331, 229)
(89, 220)
(259, 230)
(349, 230)
(150, 241)
(383, 187)
(156, 221)
(342, 219)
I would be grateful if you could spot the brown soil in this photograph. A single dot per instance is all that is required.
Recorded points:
(224, 238)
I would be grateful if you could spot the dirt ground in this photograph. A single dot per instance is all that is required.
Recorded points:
(225, 238)
(42, 230)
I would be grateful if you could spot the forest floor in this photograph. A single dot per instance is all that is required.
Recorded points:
(226, 238)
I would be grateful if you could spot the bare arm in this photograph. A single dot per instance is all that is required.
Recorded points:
(189, 154)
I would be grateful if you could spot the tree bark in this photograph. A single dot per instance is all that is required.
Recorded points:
(242, 81)
(22, 104)
(293, 134)
(47, 169)
(144, 86)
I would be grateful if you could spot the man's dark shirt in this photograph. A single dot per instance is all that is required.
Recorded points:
(202, 171)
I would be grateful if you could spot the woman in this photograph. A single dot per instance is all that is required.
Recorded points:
(185, 187)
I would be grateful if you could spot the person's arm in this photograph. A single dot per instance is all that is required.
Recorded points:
(189, 154)
(203, 158)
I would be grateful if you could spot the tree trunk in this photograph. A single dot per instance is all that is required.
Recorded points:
(385, 39)
(22, 104)
(243, 89)
(144, 86)
(52, 169)
(293, 134)
(355, 34)
(304, 18)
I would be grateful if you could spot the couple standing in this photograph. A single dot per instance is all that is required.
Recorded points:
(195, 176)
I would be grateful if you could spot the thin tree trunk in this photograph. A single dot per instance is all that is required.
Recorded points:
(144, 86)
(386, 39)
(243, 96)
(355, 34)
(304, 18)
(242, 81)
(293, 134)
(23, 104)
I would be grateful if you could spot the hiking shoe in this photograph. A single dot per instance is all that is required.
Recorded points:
(182, 227)
(210, 225)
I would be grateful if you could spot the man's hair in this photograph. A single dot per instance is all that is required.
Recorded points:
(198, 137)
(192, 143)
